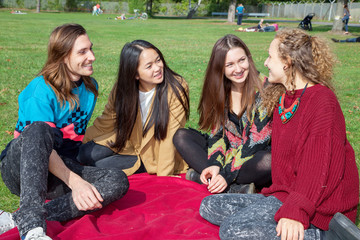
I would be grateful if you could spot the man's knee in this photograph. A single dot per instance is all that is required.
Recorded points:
(118, 182)
(38, 128)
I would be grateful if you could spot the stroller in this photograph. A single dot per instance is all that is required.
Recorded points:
(306, 22)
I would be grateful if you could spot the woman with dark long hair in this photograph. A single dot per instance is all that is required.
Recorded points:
(146, 106)
(238, 148)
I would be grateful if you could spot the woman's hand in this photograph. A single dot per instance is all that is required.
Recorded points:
(290, 229)
(217, 183)
(208, 173)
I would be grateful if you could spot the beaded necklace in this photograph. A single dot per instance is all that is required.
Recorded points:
(288, 113)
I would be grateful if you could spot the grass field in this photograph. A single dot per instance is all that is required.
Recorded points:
(186, 45)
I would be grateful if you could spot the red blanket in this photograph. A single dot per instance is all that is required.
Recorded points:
(154, 208)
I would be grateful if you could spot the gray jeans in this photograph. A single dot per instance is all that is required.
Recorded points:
(246, 216)
(25, 172)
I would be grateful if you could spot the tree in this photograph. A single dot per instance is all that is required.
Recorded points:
(193, 10)
(38, 4)
(231, 11)
(338, 24)
(149, 4)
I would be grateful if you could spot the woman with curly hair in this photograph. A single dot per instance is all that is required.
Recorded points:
(314, 174)
(237, 152)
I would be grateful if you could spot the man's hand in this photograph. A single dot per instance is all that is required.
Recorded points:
(86, 197)
(217, 183)
(290, 229)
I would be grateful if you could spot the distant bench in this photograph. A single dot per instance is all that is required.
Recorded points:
(245, 14)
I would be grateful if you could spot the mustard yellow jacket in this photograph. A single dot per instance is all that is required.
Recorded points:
(159, 157)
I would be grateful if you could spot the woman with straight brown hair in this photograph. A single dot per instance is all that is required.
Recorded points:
(238, 148)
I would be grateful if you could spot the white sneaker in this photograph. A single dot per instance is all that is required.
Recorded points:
(36, 234)
(6, 222)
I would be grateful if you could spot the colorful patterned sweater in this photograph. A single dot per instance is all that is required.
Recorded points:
(231, 148)
(38, 102)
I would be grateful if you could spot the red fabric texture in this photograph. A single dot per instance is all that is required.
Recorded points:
(313, 165)
(154, 208)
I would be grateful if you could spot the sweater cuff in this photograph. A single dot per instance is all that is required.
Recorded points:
(296, 207)
(214, 162)
(228, 176)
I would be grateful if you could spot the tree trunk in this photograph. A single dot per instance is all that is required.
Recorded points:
(339, 14)
(149, 7)
(193, 10)
(231, 11)
(38, 4)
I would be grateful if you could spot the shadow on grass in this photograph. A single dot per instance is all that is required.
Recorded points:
(176, 17)
(327, 28)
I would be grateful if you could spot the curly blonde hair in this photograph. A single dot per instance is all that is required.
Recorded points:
(309, 56)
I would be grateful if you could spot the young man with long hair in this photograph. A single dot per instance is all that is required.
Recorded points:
(39, 163)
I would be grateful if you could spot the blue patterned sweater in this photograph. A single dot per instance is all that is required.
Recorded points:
(38, 102)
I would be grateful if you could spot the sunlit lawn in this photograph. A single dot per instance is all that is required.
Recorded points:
(186, 45)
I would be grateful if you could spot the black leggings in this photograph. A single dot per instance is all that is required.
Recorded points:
(193, 146)
(92, 154)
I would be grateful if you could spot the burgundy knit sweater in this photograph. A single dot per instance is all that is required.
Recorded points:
(313, 165)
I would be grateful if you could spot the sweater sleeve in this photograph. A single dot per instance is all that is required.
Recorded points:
(216, 149)
(321, 162)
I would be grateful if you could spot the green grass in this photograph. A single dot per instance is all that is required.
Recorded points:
(186, 45)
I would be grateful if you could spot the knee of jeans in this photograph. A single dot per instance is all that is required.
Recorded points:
(204, 207)
(39, 129)
(120, 182)
(38, 126)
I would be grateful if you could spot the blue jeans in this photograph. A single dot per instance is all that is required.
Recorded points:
(239, 19)
(346, 21)
(349, 40)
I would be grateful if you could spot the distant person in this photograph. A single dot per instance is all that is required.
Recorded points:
(121, 17)
(346, 18)
(261, 28)
(347, 40)
(240, 11)
(94, 10)
(98, 10)
(39, 163)
(270, 27)
(252, 29)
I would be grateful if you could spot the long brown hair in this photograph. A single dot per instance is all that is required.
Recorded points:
(55, 71)
(309, 56)
(126, 92)
(215, 101)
